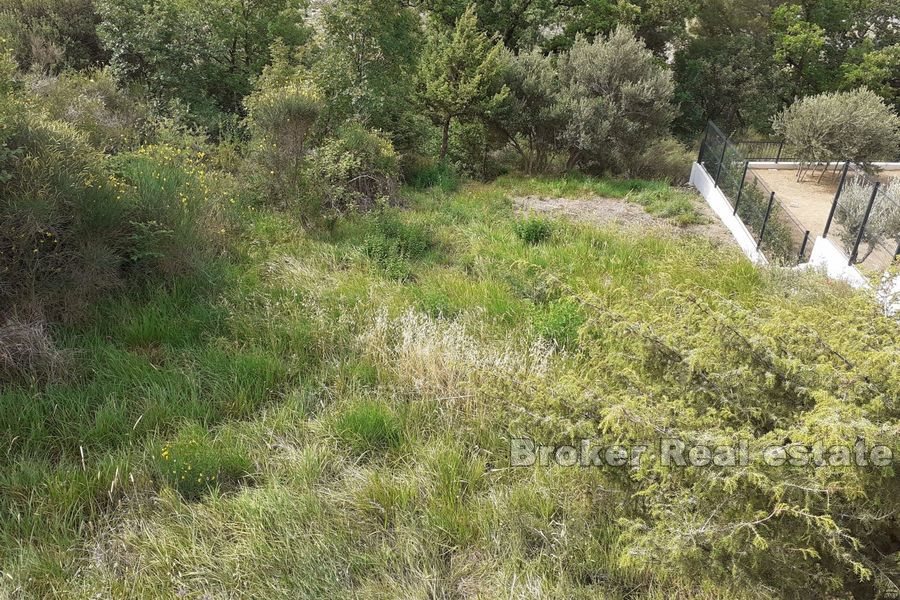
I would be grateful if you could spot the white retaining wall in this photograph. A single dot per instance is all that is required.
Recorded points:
(832, 261)
(701, 180)
(826, 257)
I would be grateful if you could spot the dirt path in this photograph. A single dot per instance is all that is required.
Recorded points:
(609, 211)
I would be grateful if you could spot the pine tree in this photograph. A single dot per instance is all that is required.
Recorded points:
(459, 74)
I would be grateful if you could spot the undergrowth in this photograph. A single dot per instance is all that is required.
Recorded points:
(302, 420)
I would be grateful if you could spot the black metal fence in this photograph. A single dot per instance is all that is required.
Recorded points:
(768, 151)
(779, 151)
(863, 218)
(780, 237)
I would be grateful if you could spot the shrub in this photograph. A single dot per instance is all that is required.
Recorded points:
(532, 116)
(386, 253)
(62, 232)
(533, 230)
(281, 115)
(174, 223)
(436, 175)
(393, 244)
(617, 99)
(356, 170)
(857, 126)
(48, 35)
(668, 160)
(91, 103)
(884, 220)
(75, 224)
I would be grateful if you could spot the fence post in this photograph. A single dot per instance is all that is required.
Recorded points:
(741, 189)
(865, 221)
(721, 160)
(780, 148)
(703, 143)
(897, 253)
(762, 231)
(837, 197)
(803, 247)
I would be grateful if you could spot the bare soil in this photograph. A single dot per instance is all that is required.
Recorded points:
(610, 211)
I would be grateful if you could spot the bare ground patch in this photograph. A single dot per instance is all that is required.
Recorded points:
(610, 211)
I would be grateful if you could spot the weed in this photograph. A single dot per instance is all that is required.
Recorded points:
(194, 463)
(533, 230)
(368, 427)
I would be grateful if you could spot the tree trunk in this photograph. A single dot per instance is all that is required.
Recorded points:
(445, 139)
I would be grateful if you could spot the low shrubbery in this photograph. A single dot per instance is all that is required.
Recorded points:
(355, 170)
(533, 230)
(63, 226)
(76, 222)
(393, 243)
(92, 103)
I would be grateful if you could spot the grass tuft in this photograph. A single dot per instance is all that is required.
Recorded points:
(368, 427)
(533, 230)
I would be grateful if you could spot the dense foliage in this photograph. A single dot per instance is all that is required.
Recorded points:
(856, 126)
(261, 335)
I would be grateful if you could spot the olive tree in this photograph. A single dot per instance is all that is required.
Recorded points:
(532, 117)
(617, 99)
(857, 126)
(884, 220)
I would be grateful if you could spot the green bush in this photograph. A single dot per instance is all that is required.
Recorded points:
(282, 114)
(75, 224)
(533, 230)
(393, 243)
(50, 35)
(62, 230)
(668, 160)
(388, 256)
(355, 170)
(91, 102)
(174, 222)
(441, 176)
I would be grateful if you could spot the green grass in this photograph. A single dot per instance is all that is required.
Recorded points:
(368, 427)
(658, 198)
(340, 424)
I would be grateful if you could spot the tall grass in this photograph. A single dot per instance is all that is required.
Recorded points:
(351, 427)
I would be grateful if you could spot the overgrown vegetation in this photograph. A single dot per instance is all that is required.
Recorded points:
(262, 334)
(304, 413)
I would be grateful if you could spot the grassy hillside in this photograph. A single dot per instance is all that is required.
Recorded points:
(326, 413)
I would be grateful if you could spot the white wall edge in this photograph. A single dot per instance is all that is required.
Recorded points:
(831, 261)
(701, 180)
(785, 165)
